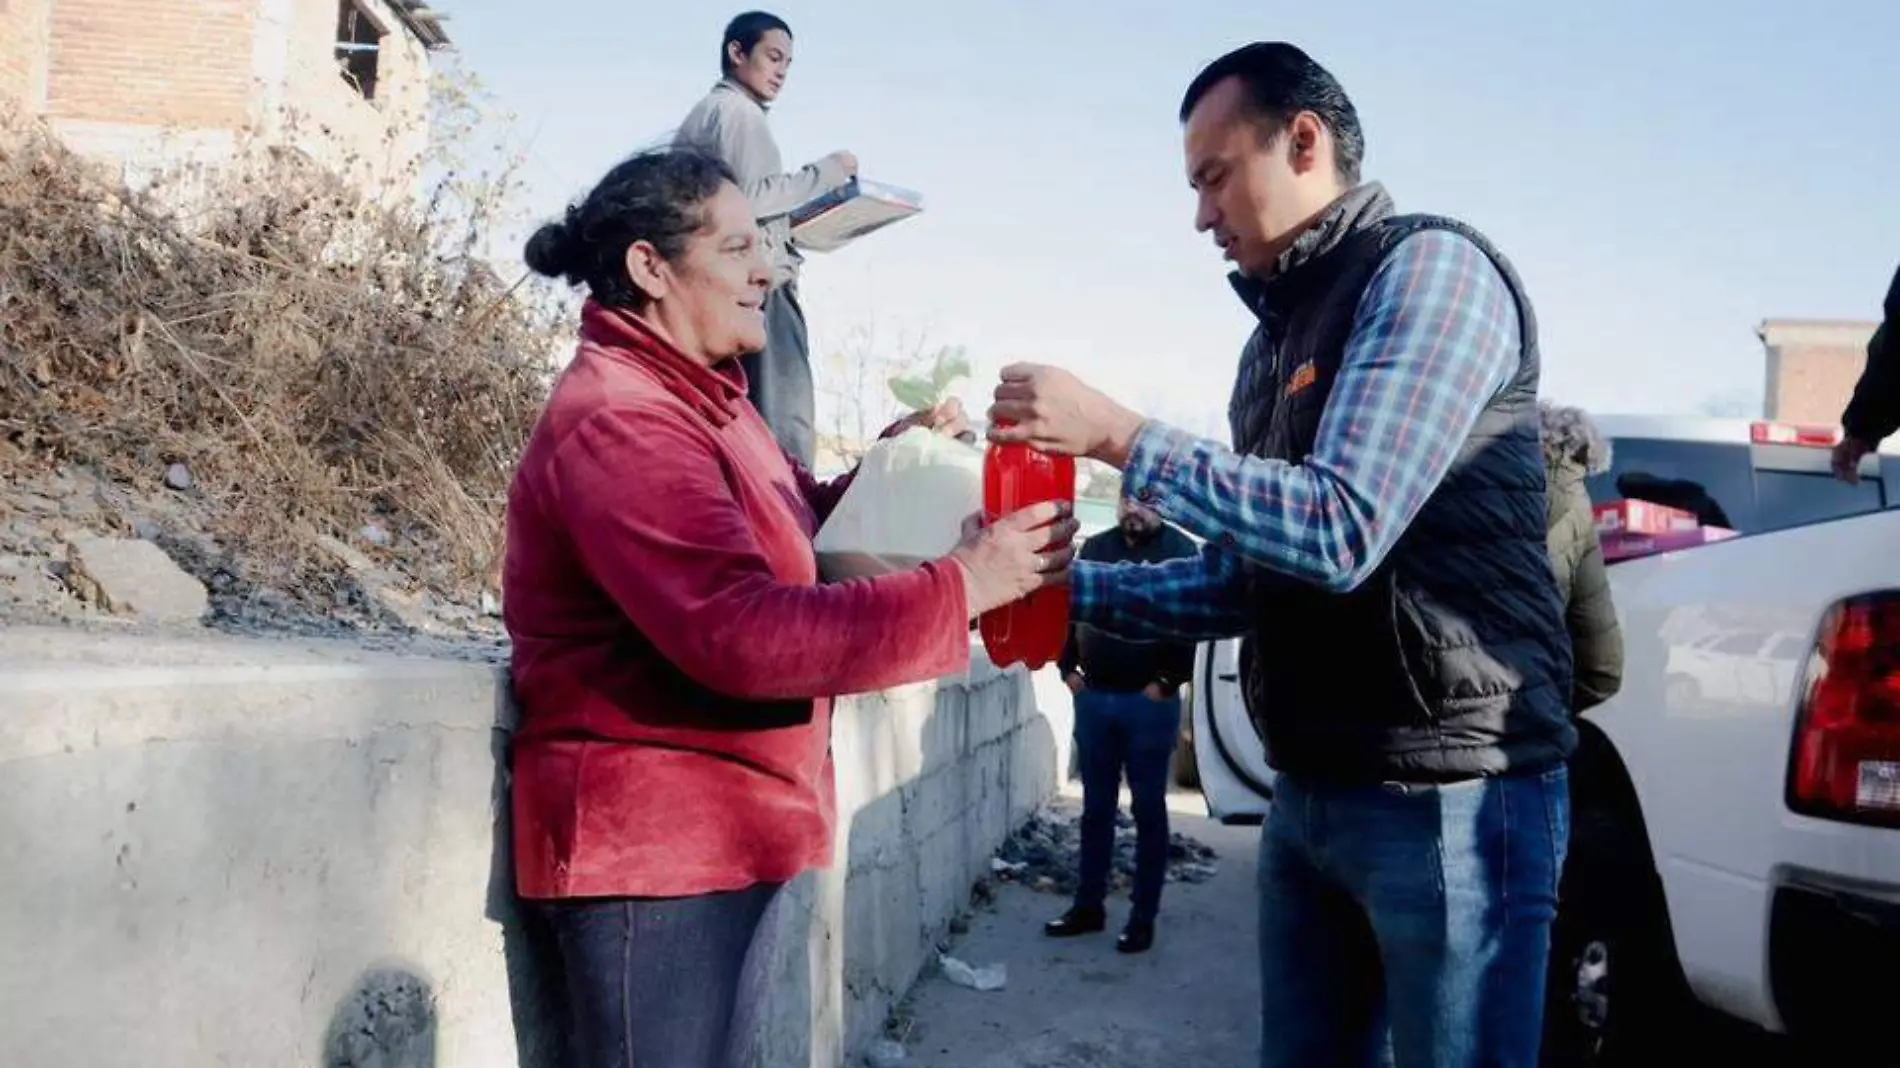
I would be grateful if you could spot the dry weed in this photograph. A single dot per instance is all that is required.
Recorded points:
(318, 362)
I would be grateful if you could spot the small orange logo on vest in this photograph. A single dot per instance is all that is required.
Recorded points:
(1303, 376)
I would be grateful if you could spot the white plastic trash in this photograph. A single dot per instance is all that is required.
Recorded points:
(987, 978)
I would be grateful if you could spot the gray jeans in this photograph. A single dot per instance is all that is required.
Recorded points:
(779, 380)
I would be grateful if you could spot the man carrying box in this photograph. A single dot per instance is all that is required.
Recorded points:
(755, 56)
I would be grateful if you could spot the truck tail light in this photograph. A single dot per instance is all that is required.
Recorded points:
(1816, 437)
(1846, 762)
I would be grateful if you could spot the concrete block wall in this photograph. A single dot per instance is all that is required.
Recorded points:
(225, 852)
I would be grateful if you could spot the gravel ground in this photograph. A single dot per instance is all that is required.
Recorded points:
(368, 600)
(1043, 854)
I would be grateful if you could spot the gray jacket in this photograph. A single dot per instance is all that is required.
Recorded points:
(730, 124)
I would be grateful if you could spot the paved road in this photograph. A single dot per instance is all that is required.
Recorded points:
(1192, 1000)
(1076, 1003)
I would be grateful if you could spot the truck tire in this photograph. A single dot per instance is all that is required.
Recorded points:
(1185, 772)
(1615, 989)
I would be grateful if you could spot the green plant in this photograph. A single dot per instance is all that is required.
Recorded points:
(927, 388)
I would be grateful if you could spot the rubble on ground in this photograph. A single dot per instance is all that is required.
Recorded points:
(1043, 854)
(78, 549)
(257, 399)
(133, 577)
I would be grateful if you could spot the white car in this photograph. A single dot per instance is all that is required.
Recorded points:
(1736, 806)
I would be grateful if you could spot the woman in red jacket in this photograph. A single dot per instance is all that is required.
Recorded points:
(674, 652)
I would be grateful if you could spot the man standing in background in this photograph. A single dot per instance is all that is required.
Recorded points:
(1874, 412)
(755, 56)
(1127, 717)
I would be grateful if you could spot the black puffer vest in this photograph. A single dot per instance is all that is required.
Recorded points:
(1451, 661)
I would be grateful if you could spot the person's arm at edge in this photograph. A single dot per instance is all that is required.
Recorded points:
(1873, 414)
(1434, 338)
(677, 555)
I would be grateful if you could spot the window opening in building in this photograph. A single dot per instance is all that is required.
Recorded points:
(359, 42)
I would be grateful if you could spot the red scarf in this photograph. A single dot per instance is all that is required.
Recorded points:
(618, 333)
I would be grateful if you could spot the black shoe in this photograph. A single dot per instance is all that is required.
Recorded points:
(1136, 937)
(1076, 921)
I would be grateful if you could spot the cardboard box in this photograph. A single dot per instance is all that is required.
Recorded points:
(837, 218)
(1627, 544)
(1641, 517)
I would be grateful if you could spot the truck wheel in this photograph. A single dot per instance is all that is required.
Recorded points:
(1187, 774)
(1615, 987)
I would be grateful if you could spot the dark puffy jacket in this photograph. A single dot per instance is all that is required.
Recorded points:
(1574, 449)
(1874, 412)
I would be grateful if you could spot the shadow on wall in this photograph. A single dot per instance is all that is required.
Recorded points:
(245, 868)
(537, 991)
(387, 1020)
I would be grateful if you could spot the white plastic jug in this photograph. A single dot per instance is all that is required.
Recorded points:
(906, 506)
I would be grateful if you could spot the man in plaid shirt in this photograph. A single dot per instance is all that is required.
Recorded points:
(1377, 533)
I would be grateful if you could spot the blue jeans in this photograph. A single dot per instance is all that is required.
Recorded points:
(1117, 732)
(658, 982)
(1409, 924)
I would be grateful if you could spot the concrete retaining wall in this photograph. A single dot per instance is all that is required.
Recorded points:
(216, 852)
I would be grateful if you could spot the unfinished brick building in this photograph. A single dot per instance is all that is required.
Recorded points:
(145, 83)
(1812, 367)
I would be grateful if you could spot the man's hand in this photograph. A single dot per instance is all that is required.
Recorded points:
(947, 418)
(1052, 410)
(1847, 457)
(1073, 680)
(846, 162)
(1158, 693)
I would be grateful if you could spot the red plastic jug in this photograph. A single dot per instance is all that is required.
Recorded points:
(1033, 630)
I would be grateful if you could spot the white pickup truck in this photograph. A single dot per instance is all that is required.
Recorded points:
(1736, 807)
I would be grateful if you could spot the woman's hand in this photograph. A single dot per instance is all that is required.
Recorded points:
(948, 419)
(1015, 556)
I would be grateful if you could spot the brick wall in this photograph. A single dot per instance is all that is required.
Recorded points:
(1812, 368)
(146, 83)
(22, 50)
(183, 63)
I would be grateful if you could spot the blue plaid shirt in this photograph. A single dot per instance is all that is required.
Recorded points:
(1434, 339)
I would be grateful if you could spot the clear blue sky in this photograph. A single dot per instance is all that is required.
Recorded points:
(1665, 175)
